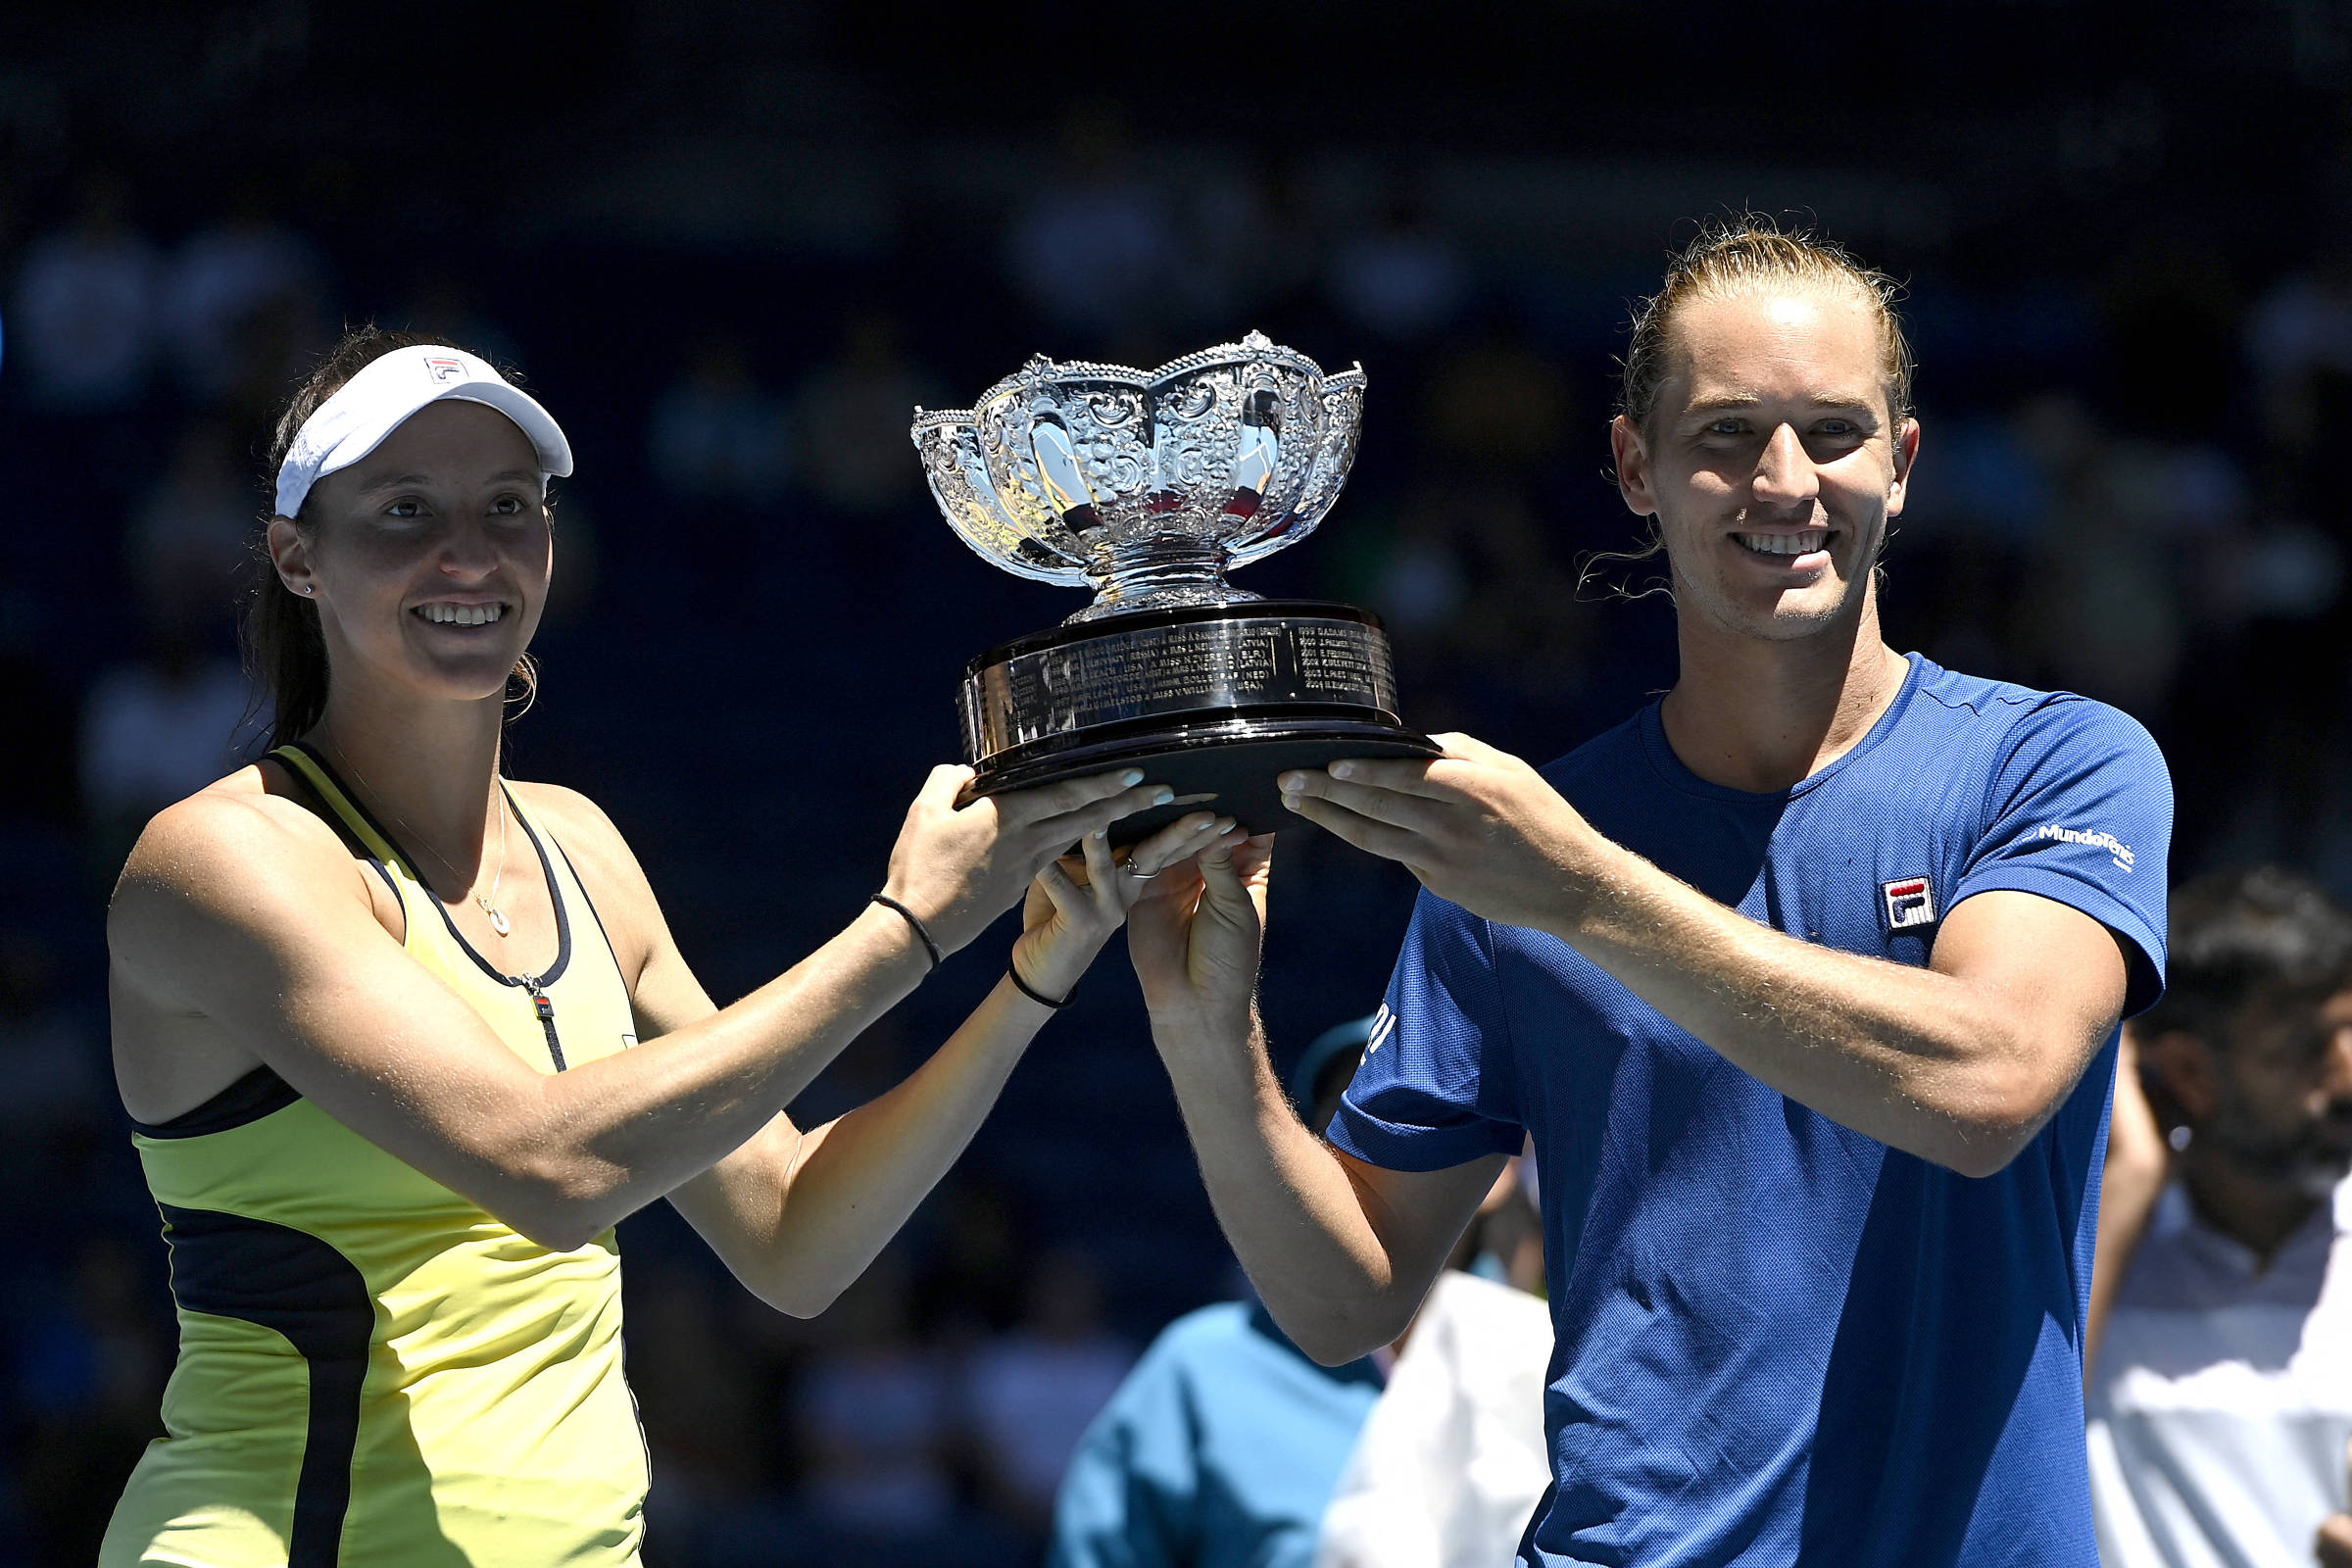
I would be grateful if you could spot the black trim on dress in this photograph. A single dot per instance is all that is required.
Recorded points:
(295, 1285)
(258, 1093)
(555, 894)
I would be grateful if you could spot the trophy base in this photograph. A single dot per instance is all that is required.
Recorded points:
(1225, 765)
(1213, 700)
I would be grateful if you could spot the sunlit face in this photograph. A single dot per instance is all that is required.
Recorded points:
(2285, 1102)
(430, 557)
(1770, 459)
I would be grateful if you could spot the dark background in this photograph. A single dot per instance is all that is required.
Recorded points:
(732, 245)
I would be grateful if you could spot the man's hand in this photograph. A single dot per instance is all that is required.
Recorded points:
(1195, 939)
(1960, 1063)
(1478, 826)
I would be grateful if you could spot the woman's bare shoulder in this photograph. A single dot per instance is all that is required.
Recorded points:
(588, 836)
(210, 852)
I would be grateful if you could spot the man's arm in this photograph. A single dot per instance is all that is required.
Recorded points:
(1340, 1251)
(1961, 1062)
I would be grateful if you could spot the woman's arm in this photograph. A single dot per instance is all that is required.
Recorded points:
(799, 1215)
(234, 913)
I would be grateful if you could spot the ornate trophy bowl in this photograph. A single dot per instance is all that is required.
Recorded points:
(1149, 488)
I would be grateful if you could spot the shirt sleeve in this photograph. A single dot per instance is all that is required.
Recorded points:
(1436, 1089)
(2081, 813)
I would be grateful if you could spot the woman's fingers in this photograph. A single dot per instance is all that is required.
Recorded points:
(1069, 828)
(941, 787)
(1074, 807)
(1102, 873)
(1070, 900)
(1188, 835)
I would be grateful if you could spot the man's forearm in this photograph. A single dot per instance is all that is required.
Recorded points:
(1917, 1060)
(1294, 1217)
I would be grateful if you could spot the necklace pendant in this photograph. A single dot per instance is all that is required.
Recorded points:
(497, 923)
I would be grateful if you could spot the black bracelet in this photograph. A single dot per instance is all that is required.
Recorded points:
(1036, 996)
(929, 946)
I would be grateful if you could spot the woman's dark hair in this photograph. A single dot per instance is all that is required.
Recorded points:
(279, 629)
(2255, 938)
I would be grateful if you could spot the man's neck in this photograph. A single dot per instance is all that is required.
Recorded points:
(2259, 1212)
(1762, 716)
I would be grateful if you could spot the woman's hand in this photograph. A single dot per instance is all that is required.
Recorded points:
(1077, 902)
(960, 868)
(1196, 939)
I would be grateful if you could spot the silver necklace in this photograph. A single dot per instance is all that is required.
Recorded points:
(488, 901)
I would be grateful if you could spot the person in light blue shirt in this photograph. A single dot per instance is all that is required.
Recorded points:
(1223, 1445)
(1805, 982)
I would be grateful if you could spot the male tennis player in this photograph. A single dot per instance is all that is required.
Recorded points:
(1805, 981)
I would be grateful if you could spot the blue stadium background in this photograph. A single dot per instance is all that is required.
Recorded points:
(731, 246)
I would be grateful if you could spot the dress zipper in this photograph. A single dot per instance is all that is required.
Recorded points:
(543, 1004)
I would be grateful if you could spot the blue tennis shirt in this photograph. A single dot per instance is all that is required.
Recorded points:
(1778, 1340)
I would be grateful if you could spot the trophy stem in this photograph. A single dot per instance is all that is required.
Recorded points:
(1165, 572)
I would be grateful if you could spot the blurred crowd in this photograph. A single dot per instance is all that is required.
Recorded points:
(2125, 490)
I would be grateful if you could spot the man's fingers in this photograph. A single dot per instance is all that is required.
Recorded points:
(1251, 855)
(1469, 746)
(1220, 879)
(1405, 776)
(1388, 842)
(1421, 813)
(1179, 881)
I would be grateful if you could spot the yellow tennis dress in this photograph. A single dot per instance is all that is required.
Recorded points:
(372, 1370)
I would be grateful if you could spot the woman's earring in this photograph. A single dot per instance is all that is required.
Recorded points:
(308, 589)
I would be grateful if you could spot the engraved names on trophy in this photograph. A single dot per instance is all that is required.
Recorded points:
(1237, 663)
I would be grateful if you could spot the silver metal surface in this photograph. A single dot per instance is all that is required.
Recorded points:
(1147, 486)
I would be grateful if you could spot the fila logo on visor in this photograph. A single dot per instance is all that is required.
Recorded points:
(442, 368)
(1909, 902)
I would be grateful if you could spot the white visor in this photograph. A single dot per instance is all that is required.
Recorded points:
(377, 401)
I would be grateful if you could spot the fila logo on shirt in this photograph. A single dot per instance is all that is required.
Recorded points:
(1384, 1024)
(1908, 901)
(442, 368)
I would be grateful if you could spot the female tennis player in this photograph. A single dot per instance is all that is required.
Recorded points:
(405, 1039)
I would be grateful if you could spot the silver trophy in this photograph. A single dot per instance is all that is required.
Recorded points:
(1149, 488)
